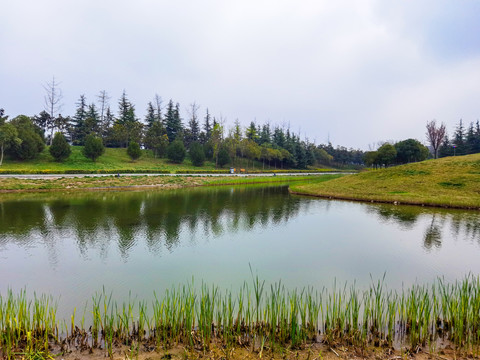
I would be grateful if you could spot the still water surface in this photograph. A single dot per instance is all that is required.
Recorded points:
(71, 245)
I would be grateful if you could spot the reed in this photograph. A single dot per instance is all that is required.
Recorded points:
(265, 319)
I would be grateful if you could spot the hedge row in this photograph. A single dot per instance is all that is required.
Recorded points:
(82, 171)
(202, 172)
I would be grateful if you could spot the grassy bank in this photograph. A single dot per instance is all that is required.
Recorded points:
(116, 161)
(263, 319)
(449, 182)
(135, 182)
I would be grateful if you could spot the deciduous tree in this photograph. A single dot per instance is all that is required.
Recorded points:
(435, 135)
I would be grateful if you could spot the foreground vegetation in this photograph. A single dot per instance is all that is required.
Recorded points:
(260, 318)
(450, 182)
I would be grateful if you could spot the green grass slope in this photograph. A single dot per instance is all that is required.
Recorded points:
(111, 161)
(450, 182)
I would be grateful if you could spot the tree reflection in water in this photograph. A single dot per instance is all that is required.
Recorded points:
(94, 220)
(461, 224)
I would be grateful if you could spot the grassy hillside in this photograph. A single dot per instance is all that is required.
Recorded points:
(113, 159)
(452, 181)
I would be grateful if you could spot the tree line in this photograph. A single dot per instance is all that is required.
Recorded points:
(464, 141)
(164, 132)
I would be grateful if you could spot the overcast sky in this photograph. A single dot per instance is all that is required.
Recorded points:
(356, 72)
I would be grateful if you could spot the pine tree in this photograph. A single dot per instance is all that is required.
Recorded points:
(278, 137)
(207, 127)
(470, 140)
(192, 134)
(251, 132)
(134, 150)
(265, 136)
(446, 149)
(155, 140)
(129, 128)
(93, 148)
(107, 123)
(173, 123)
(197, 154)
(151, 116)
(92, 122)
(459, 139)
(79, 133)
(60, 149)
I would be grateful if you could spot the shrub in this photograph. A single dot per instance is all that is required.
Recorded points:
(60, 149)
(31, 143)
(176, 152)
(134, 150)
(197, 155)
(93, 148)
(223, 157)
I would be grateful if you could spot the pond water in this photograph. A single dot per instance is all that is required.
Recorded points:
(73, 245)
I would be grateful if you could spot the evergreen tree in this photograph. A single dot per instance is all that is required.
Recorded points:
(251, 132)
(60, 149)
(158, 109)
(156, 139)
(265, 136)
(92, 122)
(223, 157)
(459, 139)
(410, 150)
(134, 150)
(129, 128)
(3, 117)
(300, 155)
(107, 124)
(278, 137)
(42, 120)
(31, 140)
(173, 123)
(176, 152)
(151, 117)
(93, 148)
(8, 136)
(197, 155)
(78, 131)
(193, 132)
(476, 143)
(446, 149)
(207, 127)
(470, 140)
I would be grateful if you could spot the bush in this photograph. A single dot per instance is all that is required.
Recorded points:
(31, 143)
(60, 149)
(134, 150)
(93, 148)
(197, 155)
(176, 152)
(223, 157)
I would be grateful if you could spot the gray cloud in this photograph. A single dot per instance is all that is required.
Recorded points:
(359, 72)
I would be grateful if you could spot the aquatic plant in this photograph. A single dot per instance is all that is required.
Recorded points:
(264, 319)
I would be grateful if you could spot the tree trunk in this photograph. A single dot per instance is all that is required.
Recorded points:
(1, 155)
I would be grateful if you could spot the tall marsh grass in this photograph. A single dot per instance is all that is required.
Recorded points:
(257, 316)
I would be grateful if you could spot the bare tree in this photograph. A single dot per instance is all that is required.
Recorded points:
(53, 104)
(103, 99)
(158, 103)
(435, 135)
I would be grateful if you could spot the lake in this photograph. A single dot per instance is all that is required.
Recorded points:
(72, 245)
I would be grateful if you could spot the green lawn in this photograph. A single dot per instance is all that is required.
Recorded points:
(451, 181)
(113, 160)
